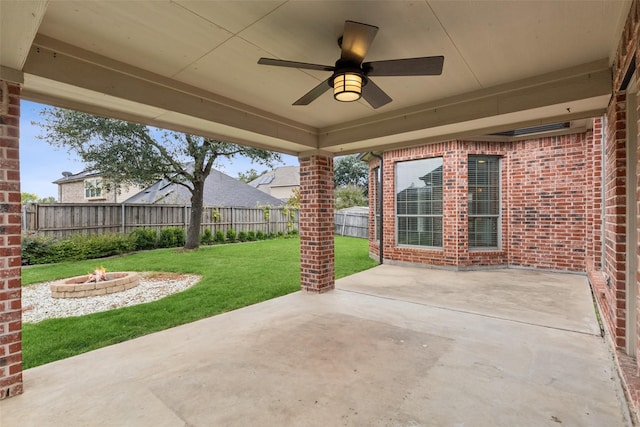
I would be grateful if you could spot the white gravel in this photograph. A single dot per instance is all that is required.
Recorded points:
(37, 303)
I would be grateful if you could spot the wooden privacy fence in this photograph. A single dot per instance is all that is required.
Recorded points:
(64, 219)
(354, 223)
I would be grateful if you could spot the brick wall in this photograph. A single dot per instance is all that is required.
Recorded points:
(544, 190)
(10, 282)
(316, 223)
(612, 297)
(72, 192)
(547, 202)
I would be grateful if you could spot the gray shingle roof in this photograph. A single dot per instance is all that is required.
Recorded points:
(219, 190)
(71, 177)
(284, 176)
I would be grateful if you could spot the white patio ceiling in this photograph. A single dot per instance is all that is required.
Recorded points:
(192, 66)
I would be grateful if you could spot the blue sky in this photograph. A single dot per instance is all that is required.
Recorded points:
(41, 164)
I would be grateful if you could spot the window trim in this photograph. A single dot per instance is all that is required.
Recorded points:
(498, 216)
(395, 207)
(93, 182)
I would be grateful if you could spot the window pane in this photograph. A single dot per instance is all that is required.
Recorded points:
(483, 232)
(484, 201)
(419, 202)
(484, 185)
(92, 188)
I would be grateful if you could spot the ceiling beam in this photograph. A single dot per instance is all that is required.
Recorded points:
(474, 131)
(19, 23)
(479, 109)
(11, 75)
(56, 61)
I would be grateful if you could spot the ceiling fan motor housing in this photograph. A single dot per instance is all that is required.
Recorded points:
(347, 67)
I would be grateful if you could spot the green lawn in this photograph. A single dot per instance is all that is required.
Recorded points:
(233, 276)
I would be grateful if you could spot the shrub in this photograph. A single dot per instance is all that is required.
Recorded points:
(219, 236)
(293, 232)
(206, 238)
(242, 236)
(36, 249)
(46, 250)
(231, 235)
(280, 234)
(144, 238)
(101, 245)
(272, 235)
(260, 235)
(251, 236)
(171, 237)
(67, 249)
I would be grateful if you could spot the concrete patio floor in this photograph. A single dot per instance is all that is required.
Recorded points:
(392, 346)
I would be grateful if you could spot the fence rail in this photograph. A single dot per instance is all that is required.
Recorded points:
(64, 219)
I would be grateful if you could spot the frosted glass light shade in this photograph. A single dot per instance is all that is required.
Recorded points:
(347, 87)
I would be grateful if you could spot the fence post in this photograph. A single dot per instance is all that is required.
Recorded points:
(184, 219)
(122, 218)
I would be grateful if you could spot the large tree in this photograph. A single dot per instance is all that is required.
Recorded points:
(129, 153)
(348, 196)
(348, 170)
(34, 198)
(250, 175)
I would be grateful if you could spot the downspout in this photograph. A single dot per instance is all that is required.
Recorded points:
(380, 208)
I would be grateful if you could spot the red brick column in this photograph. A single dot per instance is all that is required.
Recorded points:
(614, 264)
(316, 224)
(10, 291)
(595, 208)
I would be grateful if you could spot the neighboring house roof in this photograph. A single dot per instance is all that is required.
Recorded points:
(219, 190)
(285, 176)
(72, 177)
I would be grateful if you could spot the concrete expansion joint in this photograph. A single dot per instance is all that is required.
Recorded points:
(438, 307)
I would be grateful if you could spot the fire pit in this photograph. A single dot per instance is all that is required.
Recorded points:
(96, 283)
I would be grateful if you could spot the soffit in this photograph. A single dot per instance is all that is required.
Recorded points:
(213, 47)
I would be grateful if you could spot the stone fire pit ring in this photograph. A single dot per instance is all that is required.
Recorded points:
(78, 287)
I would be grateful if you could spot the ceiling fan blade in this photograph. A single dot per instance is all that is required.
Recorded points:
(374, 95)
(294, 64)
(314, 93)
(425, 66)
(356, 40)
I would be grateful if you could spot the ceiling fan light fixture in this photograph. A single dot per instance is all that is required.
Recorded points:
(347, 87)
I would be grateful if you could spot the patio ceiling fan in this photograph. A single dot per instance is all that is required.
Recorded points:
(350, 79)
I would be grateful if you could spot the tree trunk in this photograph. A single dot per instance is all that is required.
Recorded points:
(193, 232)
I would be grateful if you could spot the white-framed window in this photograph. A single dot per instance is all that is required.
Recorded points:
(484, 202)
(93, 188)
(419, 202)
